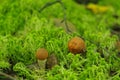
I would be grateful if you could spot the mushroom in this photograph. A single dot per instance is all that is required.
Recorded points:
(76, 45)
(41, 55)
(51, 61)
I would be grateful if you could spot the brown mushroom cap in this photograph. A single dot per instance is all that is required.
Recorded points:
(41, 54)
(51, 61)
(76, 45)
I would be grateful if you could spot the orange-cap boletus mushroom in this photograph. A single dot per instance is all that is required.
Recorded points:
(42, 54)
(76, 45)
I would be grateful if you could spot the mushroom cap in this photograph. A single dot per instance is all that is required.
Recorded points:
(51, 61)
(76, 45)
(41, 54)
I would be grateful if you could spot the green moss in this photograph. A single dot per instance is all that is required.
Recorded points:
(23, 30)
(22, 70)
(4, 65)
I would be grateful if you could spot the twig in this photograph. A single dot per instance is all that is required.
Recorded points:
(64, 11)
(6, 75)
(49, 4)
(65, 17)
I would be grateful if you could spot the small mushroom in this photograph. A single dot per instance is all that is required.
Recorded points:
(41, 55)
(51, 61)
(76, 45)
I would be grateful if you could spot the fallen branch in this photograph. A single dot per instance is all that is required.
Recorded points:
(63, 8)
(7, 76)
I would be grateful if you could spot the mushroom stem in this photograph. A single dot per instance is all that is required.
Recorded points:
(41, 56)
(41, 64)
